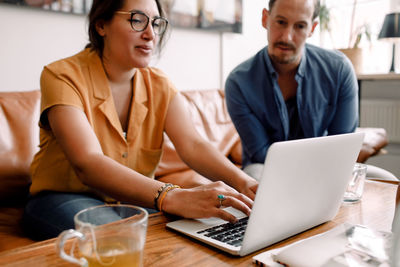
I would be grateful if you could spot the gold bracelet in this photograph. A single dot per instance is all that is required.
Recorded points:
(165, 193)
(158, 194)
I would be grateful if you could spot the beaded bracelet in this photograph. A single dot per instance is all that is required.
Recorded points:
(158, 194)
(164, 193)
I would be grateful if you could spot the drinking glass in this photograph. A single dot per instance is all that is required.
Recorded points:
(355, 187)
(107, 235)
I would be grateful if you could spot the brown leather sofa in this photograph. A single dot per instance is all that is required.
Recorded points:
(19, 139)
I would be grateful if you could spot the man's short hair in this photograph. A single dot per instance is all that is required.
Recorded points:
(316, 7)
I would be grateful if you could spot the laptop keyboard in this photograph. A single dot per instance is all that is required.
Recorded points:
(230, 233)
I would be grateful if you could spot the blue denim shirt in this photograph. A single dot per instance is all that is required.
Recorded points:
(327, 99)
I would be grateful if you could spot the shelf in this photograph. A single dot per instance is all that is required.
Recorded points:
(381, 76)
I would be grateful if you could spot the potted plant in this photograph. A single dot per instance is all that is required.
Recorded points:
(324, 21)
(352, 51)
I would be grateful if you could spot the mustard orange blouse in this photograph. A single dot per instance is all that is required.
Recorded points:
(81, 81)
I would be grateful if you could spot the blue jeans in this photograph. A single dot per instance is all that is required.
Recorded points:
(47, 214)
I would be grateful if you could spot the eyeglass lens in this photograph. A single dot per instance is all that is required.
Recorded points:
(140, 21)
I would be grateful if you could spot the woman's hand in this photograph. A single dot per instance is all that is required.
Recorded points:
(203, 202)
(248, 187)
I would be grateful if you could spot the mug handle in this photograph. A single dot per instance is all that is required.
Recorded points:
(62, 238)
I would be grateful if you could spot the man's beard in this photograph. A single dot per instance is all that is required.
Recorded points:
(284, 59)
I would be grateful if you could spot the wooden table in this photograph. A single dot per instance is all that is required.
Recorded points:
(168, 248)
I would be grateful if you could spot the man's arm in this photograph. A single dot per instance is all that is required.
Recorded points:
(253, 135)
(346, 116)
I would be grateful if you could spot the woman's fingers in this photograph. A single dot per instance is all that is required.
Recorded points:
(223, 189)
(207, 201)
(225, 196)
(250, 189)
(224, 215)
(231, 202)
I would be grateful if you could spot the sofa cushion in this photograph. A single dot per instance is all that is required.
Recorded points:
(207, 109)
(19, 140)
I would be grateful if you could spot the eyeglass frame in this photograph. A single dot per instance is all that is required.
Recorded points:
(132, 13)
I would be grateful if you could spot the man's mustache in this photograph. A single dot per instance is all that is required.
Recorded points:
(285, 45)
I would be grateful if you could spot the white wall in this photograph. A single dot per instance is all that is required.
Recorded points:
(30, 39)
(237, 48)
(193, 59)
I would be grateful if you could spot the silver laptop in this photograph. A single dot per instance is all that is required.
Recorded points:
(302, 186)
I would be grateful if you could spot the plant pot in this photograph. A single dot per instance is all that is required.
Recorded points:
(356, 57)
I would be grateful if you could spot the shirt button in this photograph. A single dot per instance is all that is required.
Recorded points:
(125, 154)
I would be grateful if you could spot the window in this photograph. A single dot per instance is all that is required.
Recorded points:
(350, 17)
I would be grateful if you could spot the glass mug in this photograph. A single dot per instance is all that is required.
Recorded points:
(107, 235)
(355, 187)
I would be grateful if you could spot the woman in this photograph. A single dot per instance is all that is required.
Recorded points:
(103, 115)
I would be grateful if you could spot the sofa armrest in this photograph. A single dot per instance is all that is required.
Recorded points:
(375, 139)
(19, 140)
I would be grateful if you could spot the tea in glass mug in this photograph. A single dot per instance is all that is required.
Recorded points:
(107, 235)
(113, 251)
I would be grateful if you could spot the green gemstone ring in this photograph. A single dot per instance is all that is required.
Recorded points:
(221, 198)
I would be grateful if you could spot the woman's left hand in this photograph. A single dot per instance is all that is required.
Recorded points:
(247, 186)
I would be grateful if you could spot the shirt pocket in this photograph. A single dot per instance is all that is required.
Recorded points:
(148, 160)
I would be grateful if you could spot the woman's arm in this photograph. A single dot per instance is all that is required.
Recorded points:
(200, 155)
(82, 148)
(187, 179)
(94, 169)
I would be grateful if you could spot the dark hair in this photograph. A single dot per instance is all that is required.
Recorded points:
(316, 7)
(104, 10)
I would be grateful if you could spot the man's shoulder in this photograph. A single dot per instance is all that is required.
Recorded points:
(323, 55)
(330, 66)
(249, 67)
(328, 59)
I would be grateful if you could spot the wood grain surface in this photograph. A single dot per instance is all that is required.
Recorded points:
(168, 248)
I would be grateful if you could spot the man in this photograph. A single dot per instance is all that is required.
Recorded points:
(290, 89)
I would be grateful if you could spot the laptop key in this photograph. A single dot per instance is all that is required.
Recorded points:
(230, 233)
(235, 243)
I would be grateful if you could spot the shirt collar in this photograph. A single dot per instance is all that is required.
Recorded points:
(301, 69)
(270, 67)
(99, 78)
(98, 75)
(139, 87)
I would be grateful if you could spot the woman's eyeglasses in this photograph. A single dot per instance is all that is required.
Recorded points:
(139, 22)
